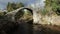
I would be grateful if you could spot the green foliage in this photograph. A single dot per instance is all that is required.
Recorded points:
(1, 15)
(55, 4)
(14, 6)
(44, 12)
(18, 5)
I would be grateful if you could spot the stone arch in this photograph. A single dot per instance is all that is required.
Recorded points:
(23, 27)
(19, 12)
(11, 15)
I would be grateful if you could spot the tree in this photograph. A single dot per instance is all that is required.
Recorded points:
(2, 15)
(18, 5)
(14, 6)
(54, 5)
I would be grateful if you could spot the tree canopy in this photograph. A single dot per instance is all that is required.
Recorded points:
(14, 6)
(54, 5)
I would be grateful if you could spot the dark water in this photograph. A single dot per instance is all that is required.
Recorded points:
(8, 27)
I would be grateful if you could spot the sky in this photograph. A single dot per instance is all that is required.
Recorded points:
(3, 3)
